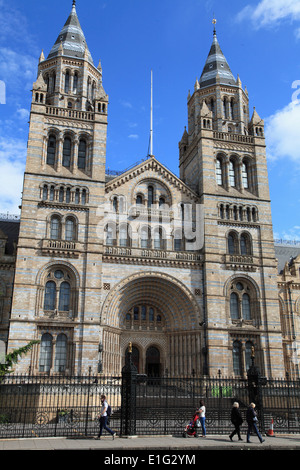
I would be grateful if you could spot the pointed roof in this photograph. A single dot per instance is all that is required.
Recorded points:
(71, 39)
(216, 68)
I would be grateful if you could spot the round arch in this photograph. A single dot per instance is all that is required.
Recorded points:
(181, 310)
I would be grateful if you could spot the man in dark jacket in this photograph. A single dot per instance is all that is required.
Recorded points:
(236, 420)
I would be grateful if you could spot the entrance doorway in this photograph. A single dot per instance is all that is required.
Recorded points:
(153, 366)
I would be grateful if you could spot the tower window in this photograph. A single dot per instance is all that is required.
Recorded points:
(232, 176)
(82, 154)
(70, 229)
(150, 196)
(75, 82)
(245, 175)
(55, 228)
(219, 172)
(67, 82)
(67, 152)
(51, 150)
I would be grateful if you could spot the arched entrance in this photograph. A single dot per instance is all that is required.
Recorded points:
(151, 309)
(153, 366)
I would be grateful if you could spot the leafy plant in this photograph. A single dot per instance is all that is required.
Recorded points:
(13, 357)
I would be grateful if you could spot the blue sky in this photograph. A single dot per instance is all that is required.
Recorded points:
(260, 39)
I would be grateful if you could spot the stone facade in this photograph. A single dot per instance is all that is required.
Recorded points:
(184, 267)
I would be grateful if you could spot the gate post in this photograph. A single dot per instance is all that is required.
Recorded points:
(128, 404)
(255, 383)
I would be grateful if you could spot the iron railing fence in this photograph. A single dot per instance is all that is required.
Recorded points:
(49, 406)
(37, 406)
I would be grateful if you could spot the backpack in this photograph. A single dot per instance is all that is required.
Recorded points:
(108, 411)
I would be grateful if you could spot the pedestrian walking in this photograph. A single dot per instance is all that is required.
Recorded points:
(251, 417)
(237, 420)
(103, 417)
(202, 418)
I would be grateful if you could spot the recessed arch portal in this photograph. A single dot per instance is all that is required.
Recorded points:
(170, 296)
(169, 323)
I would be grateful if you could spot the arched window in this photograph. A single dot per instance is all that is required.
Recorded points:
(67, 82)
(136, 313)
(75, 82)
(242, 298)
(77, 196)
(123, 235)
(68, 195)
(246, 311)
(83, 196)
(158, 239)
(70, 234)
(145, 239)
(151, 314)
(82, 154)
(45, 353)
(45, 192)
(150, 196)
(245, 244)
(66, 161)
(51, 149)
(219, 172)
(161, 202)
(144, 313)
(139, 200)
(237, 358)
(232, 243)
(61, 194)
(55, 228)
(234, 306)
(232, 175)
(60, 362)
(110, 234)
(64, 297)
(50, 296)
(144, 317)
(51, 193)
(225, 107)
(178, 242)
(245, 175)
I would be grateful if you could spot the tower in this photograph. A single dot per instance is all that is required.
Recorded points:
(222, 157)
(55, 300)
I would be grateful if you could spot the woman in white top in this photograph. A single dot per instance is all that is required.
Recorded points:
(202, 418)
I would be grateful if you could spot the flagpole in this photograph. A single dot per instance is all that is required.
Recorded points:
(151, 117)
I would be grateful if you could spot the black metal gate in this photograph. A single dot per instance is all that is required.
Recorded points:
(69, 406)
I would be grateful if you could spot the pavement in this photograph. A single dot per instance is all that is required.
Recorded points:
(151, 445)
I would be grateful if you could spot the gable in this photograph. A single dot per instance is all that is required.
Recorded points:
(131, 182)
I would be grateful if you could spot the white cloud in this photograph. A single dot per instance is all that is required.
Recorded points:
(133, 136)
(282, 133)
(18, 71)
(126, 104)
(12, 166)
(268, 12)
